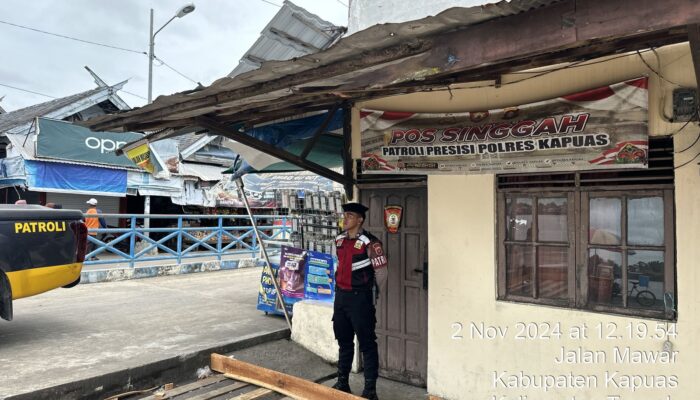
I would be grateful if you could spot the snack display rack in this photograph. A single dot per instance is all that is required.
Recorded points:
(315, 218)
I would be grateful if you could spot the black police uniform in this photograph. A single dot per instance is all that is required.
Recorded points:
(353, 309)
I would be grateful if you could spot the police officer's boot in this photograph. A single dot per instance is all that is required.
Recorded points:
(370, 391)
(342, 384)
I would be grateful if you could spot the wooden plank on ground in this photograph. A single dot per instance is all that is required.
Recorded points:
(288, 385)
(255, 394)
(189, 387)
(219, 392)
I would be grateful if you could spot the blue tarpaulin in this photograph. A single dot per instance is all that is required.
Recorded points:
(12, 172)
(293, 136)
(69, 178)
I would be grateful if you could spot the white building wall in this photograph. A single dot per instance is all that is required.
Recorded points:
(463, 264)
(366, 13)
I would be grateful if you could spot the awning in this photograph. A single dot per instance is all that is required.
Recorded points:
(457, 45)
(292, 136)
(202, 171)
(70, 178)
(305, 181)
(146, 184)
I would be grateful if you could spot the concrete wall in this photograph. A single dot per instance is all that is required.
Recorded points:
(312, 328)
(462, 248)
(365, 13)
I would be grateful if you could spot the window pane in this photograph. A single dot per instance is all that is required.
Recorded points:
(645, 221)
(645, 274)
(519, 270)
(519, 211)
(552, 272)
(605, 277)
(551, 220)
(605, 221)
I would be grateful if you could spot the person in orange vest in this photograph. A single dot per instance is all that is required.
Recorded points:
(93, 223)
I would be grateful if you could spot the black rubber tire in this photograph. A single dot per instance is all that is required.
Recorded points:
(646, 298)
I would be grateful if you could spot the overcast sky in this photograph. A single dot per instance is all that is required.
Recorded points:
(204, 45)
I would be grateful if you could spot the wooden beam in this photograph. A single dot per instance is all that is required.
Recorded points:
(347, 151)
(322, 128)
(570, 25)
(215, 127)
(287, 385)
(694, 39)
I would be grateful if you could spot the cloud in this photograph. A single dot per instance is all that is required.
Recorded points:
(204, 45)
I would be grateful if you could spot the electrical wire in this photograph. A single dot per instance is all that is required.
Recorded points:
(134, 94)
(687, 162)
(585, 64)
(339, 1)
(96, 44)
(73, 38)
(269, 2)
(689, 147)
(176, 71)
(657, 73)
(28, 91)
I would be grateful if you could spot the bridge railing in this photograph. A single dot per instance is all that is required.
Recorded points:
(173, 237)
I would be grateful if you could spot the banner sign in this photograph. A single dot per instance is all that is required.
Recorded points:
(292, 271)
(65, 141)
(267, 295)
(319, 277)
(602, 128)
(141, 156)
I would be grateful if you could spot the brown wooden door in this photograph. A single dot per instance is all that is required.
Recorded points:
(402, 310)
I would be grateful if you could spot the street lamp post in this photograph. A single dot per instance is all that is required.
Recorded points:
(184, 10)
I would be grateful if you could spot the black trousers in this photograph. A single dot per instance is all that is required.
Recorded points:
(354, 314)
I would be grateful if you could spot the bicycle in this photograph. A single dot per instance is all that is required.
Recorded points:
(644, 297)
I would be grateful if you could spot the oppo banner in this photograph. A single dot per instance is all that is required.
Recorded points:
(65, 141)
(601, 128)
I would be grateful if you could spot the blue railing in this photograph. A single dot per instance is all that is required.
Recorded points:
(175, 238)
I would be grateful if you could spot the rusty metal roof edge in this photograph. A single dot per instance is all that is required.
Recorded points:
(350, 46)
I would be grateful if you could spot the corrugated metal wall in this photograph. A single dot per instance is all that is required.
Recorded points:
(108, 205)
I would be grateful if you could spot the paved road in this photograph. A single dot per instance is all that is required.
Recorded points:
(90, 330)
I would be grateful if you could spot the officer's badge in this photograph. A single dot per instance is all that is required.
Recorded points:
(358, 244)
(392, 218)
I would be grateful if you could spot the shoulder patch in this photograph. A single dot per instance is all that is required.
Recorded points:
(377, 256)
(364, 239)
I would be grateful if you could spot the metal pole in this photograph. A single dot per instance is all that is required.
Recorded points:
(147, 220)
(151, 44)
(239, 183)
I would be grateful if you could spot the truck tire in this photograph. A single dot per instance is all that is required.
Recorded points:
(5, 297)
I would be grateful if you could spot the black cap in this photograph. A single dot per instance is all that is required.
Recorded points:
(356, 208)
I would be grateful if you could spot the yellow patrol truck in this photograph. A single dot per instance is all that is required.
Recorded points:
(40, 249)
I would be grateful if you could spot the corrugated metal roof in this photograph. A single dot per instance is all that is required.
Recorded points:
(406, 57)
(27, 114)
(23, 116)
(292, 32)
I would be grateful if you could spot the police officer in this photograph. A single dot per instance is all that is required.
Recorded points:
(362, 267)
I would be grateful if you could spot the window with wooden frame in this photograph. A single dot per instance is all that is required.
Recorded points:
(599, 241)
